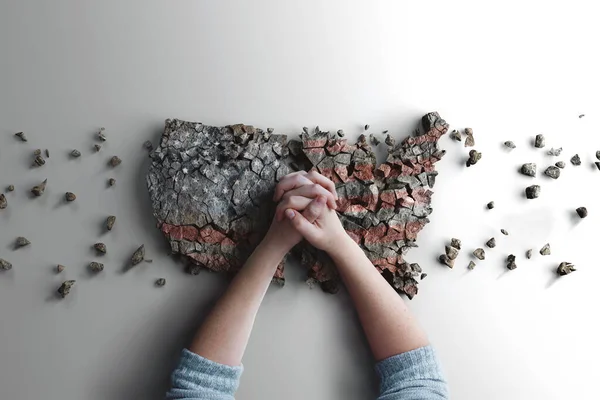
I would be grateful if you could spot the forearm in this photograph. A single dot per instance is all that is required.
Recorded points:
(224, 334)
(389, 325)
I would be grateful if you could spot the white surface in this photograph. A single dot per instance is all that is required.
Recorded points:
(509, 70)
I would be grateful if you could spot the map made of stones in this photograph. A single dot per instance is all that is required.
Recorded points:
(212, 187)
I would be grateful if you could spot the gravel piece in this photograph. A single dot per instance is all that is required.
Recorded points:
(490, 205)
(529, 169)
(510, 145)
(65, 288)
(545, 251)
(565, 268)
(582, 212)
(456, 135)
(474, 157)
(96, 267)
(456, 243)
(511, 262)
(555, 152)
(75, 154)
(479, 253)
(576, 160)
(529, 254)
(491, 243)
(560, 164)
(451, 252)
(504, 232)
(540, 141)
(553, 172)
(5, 265)
(533, 191)
(70, 196)
(21, 242)
(471, 265)
(444, 259)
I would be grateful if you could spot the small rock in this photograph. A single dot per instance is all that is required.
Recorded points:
(581, 115)
(504, 232)
(96, 267)
(60, 268)
(529, 169)
(456, 135)
(560, 164)
(3, 202)
(390, 141)
(111, 182)
(545, 251)
(533, 191)
(110, 222)
(65, 288)
(161, 282)
(22, 242)
(565, 268)
(341, 133)
(491, 243)
(10, 188)
(455, 243)
(21, 136)
(529, 254)
(38, 190)
(469, 139)
(101, 135)
(148, 145)
(70, 196)
(490, 205)
(576, 160)
(5, 265)
(100, 248)
(138, 255)
(374, 140)
(39, 161)
(305, 129)
(47, 152)
(444, 259)
(367, 127)
(598, 154)
(474, 157)
(75, 154)
(597, 164)
(553, 172)
(479, 253)
(471, 265)
(540, 141)
(582, 212)
(555, 152)
(97, 147)
(114, 161)
(423, 275)
(511, 262)
(451, 252)
(510, 145)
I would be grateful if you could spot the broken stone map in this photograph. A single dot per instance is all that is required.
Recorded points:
(212, 187)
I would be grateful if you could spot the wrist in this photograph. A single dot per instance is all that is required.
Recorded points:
(340, 246)
(277, 245)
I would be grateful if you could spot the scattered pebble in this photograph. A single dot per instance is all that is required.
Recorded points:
(21, 136)
(3, 202)
(598, 154)
(111, 182)
(565, 268)
(47, 153)
(540, 141)
(469, 139)
(96, 266)
(65, 288)
(70, 196)
(423, 275)
(110, 222)
(533, 191)
(374, 140)
(576, 160)
(161, 282)
(553, 172)
(560, 164)
(5, 265)
(451, 252)
(529, 169)
(305, 129)
(504, 232)
(474, 157)
(97, 147)
(545, 251)
(456, 135)
(555, 152)
(471, 265)
(11, 188)
(38, 190)
(490, 205)
(581, 115)
(37, 152)
(444, 259)
(22, 242)
(529, 254)
(479, 253)
(60, 268)
(100, 248)
(491, 243)
(510, 145)
(511, 262)
(390, 141)
(101, 135)
(114, 161)
(456, 243)
(367, 127)
(75, 154)
(138, 255)
(597, 164)
(38, 161)
(148, 145)
(341, 133)
(582, 212)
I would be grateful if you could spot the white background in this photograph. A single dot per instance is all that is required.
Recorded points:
(508, 69)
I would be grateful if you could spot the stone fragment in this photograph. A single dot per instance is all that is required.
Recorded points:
(529, 169)
(423, 275)
(138, 255)
(112, 182)
(70, 196)
(545, 251)
(540, 141)
(451, 252)
(474, 157)
(101, 135)
(38, 190)
(456, 243)
(75, 154)
(10, 188)
(533, 191)
(114, 161)
(21, 242)
(444, 259)
(511, 264)
(148, 145)
(560, 164)
(37, 152)
(367, 127)
(553, 172)
(455, 134)
(65, 288)
(100, 248)
(565, 268)
(479, 253)
(96, 267)
(555, 152)
(60, 268)
(21, 136)
(490, 205)
(390, 141)
(3, 202)
(5, 265)
(597, 164)
(471, 265)
(160, 282)
(469, 139)
(581, 115)
(110, 222)
(97, 148)
(529, 254)
(374, 140)
(491, 243)
(504, 232)
(39, 161)
(47, 152)
(576, 160)
(341, 133)
(598, 154)
(510, 145)
(582, 212)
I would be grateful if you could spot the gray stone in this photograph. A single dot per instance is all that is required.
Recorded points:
(540, 141)
(545, 251)
(576, 160)
(553, 172)
(555, 152)
(479, 253)
(533, 191)
(529, 169)
(510, 144)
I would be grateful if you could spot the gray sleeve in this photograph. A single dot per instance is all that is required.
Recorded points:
(197, 378)
(414, 375)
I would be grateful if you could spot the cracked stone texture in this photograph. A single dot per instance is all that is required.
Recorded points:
(211, 190)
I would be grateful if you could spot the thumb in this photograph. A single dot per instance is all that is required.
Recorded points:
(314, 209)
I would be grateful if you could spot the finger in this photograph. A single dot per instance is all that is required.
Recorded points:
(314, 209)
(291, 181)
(312, 191)
(305, 228)
(298, 203)
(323, 181)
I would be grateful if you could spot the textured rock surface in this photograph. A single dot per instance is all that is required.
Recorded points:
(211, 190)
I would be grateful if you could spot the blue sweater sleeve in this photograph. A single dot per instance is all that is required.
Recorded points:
(414, 375)
(197, 378)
